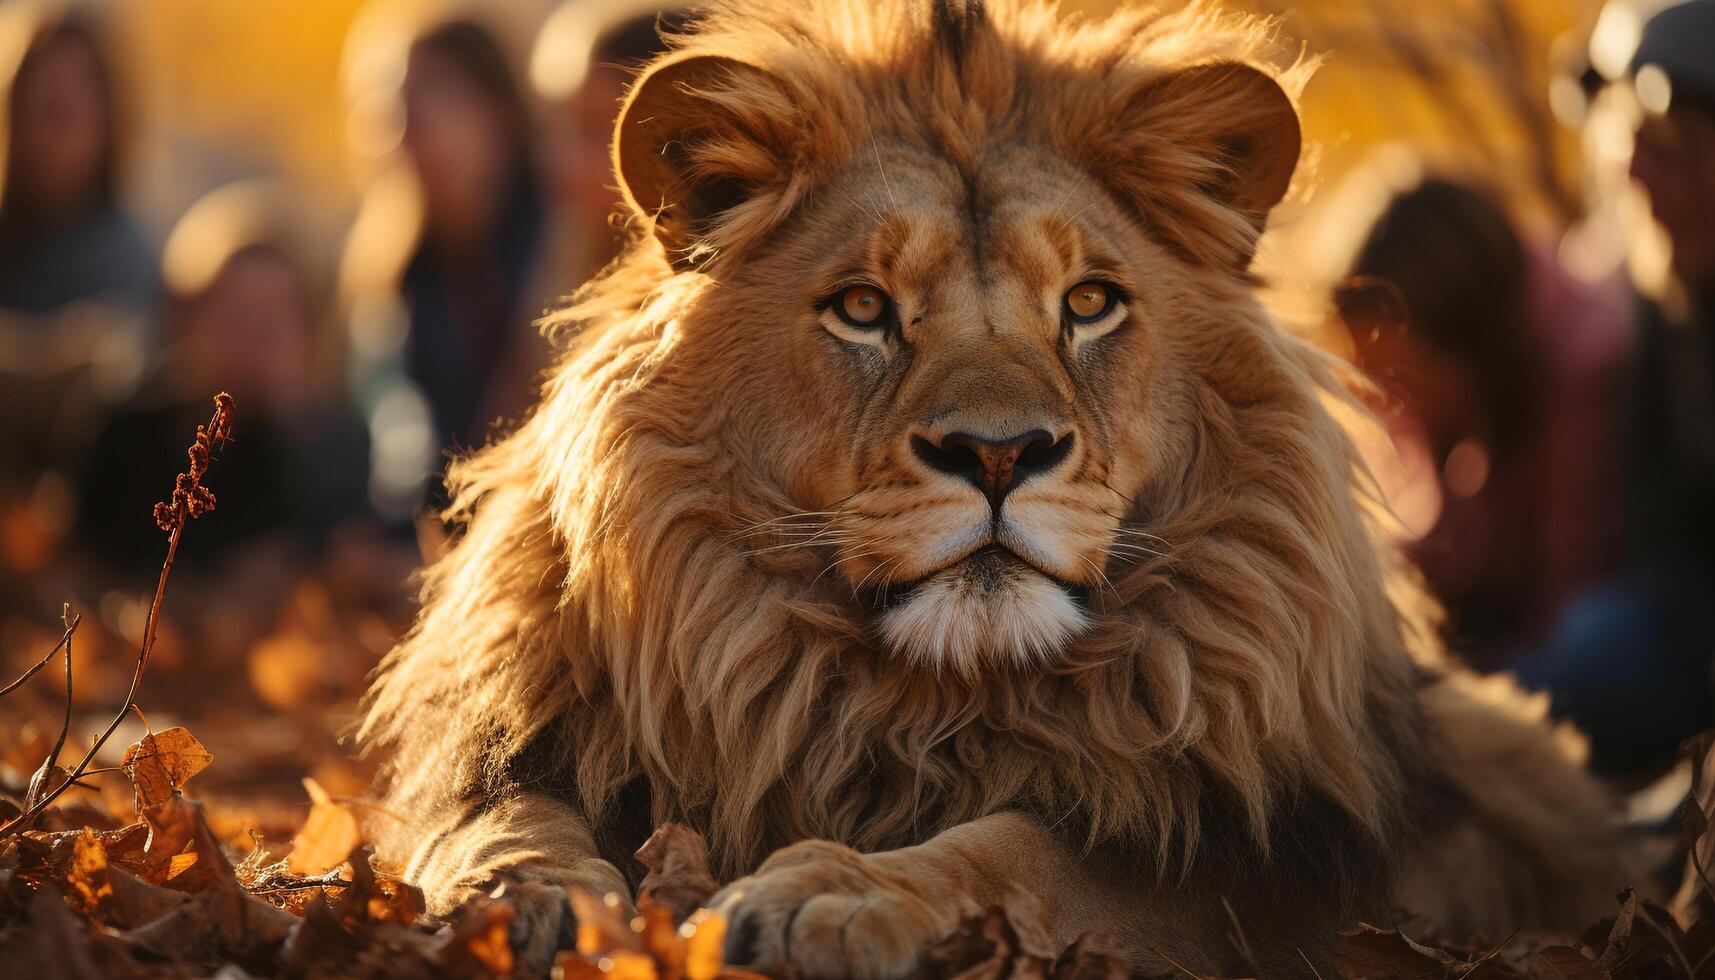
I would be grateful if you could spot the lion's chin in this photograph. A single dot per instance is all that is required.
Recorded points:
(988, 610)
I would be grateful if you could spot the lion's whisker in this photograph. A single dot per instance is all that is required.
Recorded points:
(841, 561)
(1106, 583)
(1137, 533)
(790, 545)
(1134, 552)
(788, 519)
(865, 580)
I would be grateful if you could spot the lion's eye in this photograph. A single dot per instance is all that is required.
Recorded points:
(1089, 301)
(863, 306)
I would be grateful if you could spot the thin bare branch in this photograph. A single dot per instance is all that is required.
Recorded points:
(65, 638)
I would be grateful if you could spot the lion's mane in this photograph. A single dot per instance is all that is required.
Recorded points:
(604, 624)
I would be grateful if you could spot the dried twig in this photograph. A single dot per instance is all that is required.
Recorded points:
(33, 671)
(41, 782)
(65, 723)
(189, 500)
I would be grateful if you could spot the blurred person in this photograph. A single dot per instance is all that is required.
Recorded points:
(78, 284)
(63, 236)
(245, 317)
(1632, 662)
(441, 278)
(1673, 161)
(1500, 393)
(467, 284)
(586, 55)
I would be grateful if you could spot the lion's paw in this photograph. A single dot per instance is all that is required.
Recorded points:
(823, 910)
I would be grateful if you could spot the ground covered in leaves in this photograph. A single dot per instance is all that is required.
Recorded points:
(242, 850)
(155, 892)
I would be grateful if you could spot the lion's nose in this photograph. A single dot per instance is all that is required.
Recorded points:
(994, 466)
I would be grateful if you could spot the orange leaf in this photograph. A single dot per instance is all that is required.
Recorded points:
(161, 762)
(327, 837)
(604, 924)
(481, 942)
(628, 966)
(703, 933)
(88, 873)
(180, 863)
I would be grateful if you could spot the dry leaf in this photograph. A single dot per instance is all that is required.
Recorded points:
(604, 923)
(997, 946)
(180, 864)
(172, 827)
(328, 836)
(1560, 963)
(138, 903)
(159, 763)
(704, 933)
(88, 873)
(375, 897)
(1384, 954)
(480, 942)
(51, 944)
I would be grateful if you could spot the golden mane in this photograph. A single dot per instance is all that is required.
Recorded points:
(602, 622)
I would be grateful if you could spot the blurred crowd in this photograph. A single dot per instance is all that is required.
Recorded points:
(1552, 420)
(354, 380)
(1552, 430)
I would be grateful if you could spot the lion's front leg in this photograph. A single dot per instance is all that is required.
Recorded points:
(530, 848)
(826, 910)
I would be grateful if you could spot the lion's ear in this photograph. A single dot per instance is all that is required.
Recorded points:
(1206, 153)
(688, 148)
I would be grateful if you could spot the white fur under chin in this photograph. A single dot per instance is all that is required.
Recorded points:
(966, 618)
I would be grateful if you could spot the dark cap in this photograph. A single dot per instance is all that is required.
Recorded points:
(1680, 40)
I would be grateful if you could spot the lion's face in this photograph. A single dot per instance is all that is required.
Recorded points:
(956, 356)
(972, 376)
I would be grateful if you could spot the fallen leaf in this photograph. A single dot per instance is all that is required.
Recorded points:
(179, 864)
(372, 897)
(328, 836)
(88, 873)
(241, 921)
(172, 827)
(47, 778)
(704, 933)
(1384, 954)
(628, 966)
(51, 943)
(604, 923)
(160, 762)
(1010, 942)
(137, 902)
(1559, 963)
(480, 941)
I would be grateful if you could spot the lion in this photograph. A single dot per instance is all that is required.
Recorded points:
(926, 504)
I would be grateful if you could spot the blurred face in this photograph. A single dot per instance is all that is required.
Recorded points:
(459, 142)
(60, 114)
(251, 330)
(1674, 161)
(592, 112)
